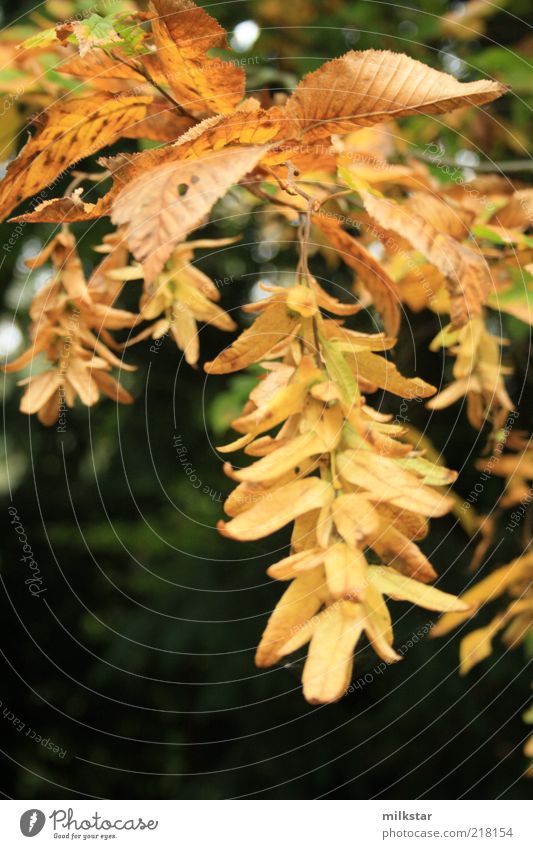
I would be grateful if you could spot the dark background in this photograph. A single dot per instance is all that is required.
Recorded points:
(138, 659)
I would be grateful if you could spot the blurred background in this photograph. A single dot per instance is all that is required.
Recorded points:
(136, 662)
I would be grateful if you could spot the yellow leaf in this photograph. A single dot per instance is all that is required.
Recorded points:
(340, 373)
(38, 391)
(273, 325)
(383, 373)
(302, 300)
(399, 587)
(428, 472)
(329, 663)
(283, 459)
(396, 549)
(477, 645)
(185, 333)
(378, 625)
(483, 591)
(277, 509)
(286, 402)
(346, 572)
(385, 481)
(355, 518)
(297, 605)
(291, 566)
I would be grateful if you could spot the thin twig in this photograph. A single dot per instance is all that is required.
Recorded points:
(504, 167)
(259, 193)
(140, 69)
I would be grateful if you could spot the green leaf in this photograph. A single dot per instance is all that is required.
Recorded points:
(40, 39)
(429, 473)
(482, 231)
(339, 371)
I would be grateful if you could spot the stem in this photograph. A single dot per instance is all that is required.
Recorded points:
(504, 167)
(140, 69)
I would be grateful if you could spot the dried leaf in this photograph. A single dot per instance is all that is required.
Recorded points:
(397, 586)
(467, 273)
(381, 288)
(268, 329)
(73, 129)
(183, 34)
(161, 206)
(298, 604)
(277, 509)
(367, 87)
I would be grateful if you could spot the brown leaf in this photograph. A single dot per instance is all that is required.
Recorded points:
(183, 34)
(66, 210)
(517, 212)
(367, 87)
(382, 289)
(161, 206)
(74, 128)
(468, 275)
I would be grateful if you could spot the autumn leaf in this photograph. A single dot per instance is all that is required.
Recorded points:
(329, 663)
(366, 87)
(378, 624)
(66, 210)
(483, 592)
(468, 276)
(477, 645)
(277, 509)
(517, 212)
(298, 604)
(268, 329)
(73, 129)
(384, 480)
(183, 34)
(400, 587)
(281, 460)
(346, 572)
(382, 289)
(161, 206)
